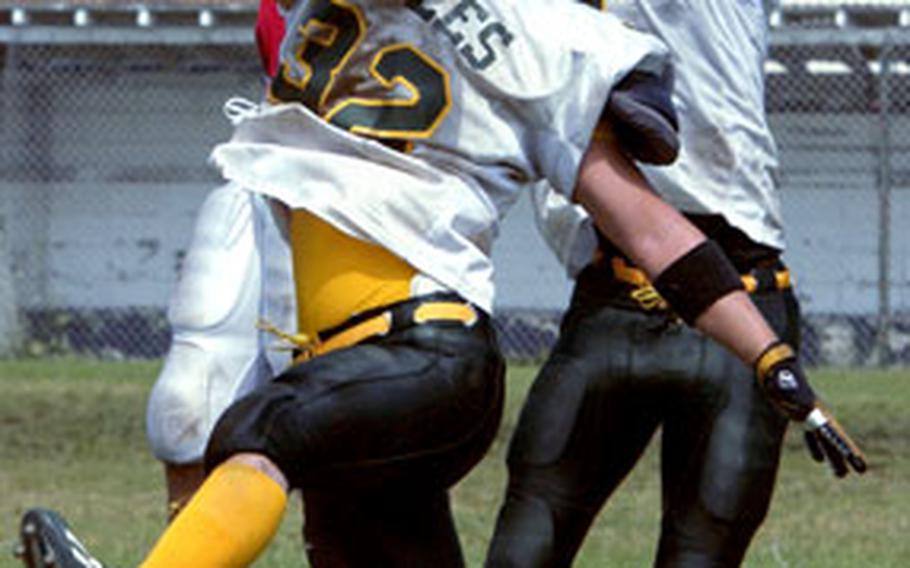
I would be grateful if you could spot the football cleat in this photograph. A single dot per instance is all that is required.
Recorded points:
(46, 541)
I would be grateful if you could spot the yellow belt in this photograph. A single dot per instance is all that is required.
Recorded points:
(649, 299)
(359, 330)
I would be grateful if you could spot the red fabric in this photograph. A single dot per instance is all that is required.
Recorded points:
(269, 32)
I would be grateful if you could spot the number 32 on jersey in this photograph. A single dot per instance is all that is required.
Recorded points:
(329, 32)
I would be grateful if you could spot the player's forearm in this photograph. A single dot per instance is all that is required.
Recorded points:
(646, 228)
(656, 236)
(736, 323)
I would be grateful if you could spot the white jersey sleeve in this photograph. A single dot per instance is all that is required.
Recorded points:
(566, 228)
(416, 124)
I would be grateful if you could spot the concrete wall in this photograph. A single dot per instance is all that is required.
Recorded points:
(120, 245)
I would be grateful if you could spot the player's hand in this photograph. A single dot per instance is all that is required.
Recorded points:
(784, 382)
(827, 440)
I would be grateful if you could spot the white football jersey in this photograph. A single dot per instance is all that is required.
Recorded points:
(728, 157)
(483, 96)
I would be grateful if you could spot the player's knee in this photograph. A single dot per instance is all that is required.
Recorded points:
(524, 536)
(262, 464)
(515, 552)
(700, 538)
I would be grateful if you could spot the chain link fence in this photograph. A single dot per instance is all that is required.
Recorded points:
(103, 161)
(838, 97)
(103, 165)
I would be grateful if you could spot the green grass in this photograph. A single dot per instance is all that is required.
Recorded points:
(71, 438)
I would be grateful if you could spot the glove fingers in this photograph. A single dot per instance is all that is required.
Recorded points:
(835, 458)
(838, 436)
(835, 437)
(858, 463)
(814, 445)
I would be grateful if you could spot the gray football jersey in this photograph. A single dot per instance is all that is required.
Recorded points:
(728, 157)
(415, 124)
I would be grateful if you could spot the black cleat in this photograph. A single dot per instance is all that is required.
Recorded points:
(46, 541)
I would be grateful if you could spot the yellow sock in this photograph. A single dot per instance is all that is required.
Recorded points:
(227, 524)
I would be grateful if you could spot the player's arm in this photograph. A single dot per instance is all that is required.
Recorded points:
(656, 236)
(697, 279)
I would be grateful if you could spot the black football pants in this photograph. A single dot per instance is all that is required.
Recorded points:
(614, 377)
(374, 435)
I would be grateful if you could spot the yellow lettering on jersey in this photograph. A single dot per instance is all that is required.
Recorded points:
(337, 276)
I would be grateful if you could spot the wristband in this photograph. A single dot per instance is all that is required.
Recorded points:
(772, 355)
(697, 279)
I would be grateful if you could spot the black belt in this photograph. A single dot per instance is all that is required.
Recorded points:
(387, 319)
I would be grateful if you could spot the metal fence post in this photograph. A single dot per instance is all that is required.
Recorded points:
(9, 314)
(10, 332)
(882, 341)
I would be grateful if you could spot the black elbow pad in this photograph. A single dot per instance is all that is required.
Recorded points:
(641, 114)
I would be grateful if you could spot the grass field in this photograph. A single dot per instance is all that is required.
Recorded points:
(71, 438)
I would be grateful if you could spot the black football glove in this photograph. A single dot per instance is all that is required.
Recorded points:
(641, 113)
(784, 382)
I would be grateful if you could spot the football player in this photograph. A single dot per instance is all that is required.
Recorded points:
(398, 133)
(623, 365)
